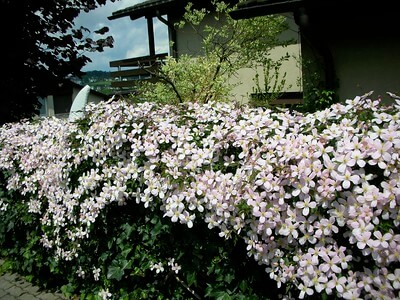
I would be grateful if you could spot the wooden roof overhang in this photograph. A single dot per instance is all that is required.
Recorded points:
(153, 8)
(159, 8)
(256, 8)
(149, 8)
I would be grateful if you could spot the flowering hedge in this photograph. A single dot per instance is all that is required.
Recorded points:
(314, 197)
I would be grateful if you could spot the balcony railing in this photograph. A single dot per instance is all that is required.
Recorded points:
(131, 70)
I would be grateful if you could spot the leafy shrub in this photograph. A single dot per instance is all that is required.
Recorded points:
(227, 46)
(199, 200)
(189, 79)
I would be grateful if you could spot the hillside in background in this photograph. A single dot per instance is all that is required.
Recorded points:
(97, 75)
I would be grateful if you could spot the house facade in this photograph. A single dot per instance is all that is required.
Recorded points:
(58, 102)
(186, 41)
(351, 47)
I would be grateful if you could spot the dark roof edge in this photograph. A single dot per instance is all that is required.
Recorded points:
(252, 9)
(153, 8)
(149, 7)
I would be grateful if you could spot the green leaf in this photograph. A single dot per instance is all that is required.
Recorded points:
(191, 278)
(104, 256)
(223, 296)
(117, 269)
(243, 285)
(68, 290)
(125, 253)
(209, 290)
(229, 277)
(6, 266)
(110, 243)
(138, 272)
(115, 272)
(128, 229)
(10, 226)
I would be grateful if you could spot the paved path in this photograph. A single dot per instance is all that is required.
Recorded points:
(14, 287)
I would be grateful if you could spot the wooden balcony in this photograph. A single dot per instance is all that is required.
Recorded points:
(132, 70)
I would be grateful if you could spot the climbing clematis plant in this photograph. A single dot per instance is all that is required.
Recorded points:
(314, 197)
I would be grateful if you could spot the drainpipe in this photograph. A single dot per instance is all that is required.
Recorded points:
(302, 19)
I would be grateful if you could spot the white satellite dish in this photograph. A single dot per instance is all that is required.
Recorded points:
(79, 103)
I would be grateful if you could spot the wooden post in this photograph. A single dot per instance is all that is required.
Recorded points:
(150, 32)
(173, 49)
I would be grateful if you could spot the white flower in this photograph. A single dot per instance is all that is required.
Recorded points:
(174, 266)
(96, 273)
(158, 267)
(105, 294)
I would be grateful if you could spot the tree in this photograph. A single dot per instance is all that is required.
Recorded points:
(227, 46)
(41, 49)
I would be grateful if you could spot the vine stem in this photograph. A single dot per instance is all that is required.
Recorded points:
(187, 288)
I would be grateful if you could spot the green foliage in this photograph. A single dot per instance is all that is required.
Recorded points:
(188, 79)
(241, 43)
(316, 96)
(20, 233)
(132, 250)
(40, 56)
(318, 100)
(227, 46)
(274, 83)
(125, 242)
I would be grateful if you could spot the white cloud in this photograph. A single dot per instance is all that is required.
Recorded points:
(137, 51)
(130, 37)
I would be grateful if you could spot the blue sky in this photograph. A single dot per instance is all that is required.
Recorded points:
(130, 37)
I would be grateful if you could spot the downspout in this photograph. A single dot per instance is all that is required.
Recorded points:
(302, 19)
(171, 34)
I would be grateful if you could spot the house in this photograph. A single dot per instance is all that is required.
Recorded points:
(355, 45)
(186, 41)
(59, 101)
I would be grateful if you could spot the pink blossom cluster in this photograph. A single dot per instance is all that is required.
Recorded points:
(315, 197)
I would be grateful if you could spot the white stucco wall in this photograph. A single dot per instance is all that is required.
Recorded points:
(290, 71)
(190, 42)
